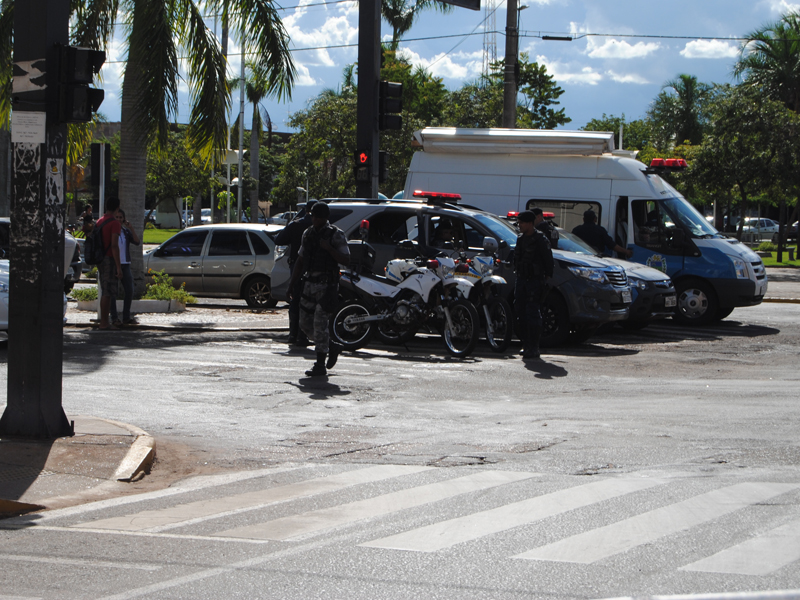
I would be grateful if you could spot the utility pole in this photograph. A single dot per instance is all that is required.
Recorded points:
(39, 144)
(369, 74)
(510, 78)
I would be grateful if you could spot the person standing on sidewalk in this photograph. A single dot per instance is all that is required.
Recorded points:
(126, 237)
(323, 249)
(109, 272)
(533, 264)
(292, 236)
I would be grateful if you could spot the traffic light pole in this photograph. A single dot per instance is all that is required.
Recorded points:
(39, 143)
(369, 74)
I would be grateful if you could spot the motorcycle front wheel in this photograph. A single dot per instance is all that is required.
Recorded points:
(462, 338)
(351, 335)
(500, 323)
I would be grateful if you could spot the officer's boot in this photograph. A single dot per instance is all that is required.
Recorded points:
(335, 350)
(318, 370)
(531, 351)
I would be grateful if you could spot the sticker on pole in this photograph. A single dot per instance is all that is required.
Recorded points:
(28, 127)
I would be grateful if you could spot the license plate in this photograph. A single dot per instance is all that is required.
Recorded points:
(626, 297)
(670, 301)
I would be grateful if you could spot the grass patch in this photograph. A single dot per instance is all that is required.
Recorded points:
(772, 261)
(157, 236)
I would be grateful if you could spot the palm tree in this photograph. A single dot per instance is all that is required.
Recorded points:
(256, 90)
(770, 60)
(679, 111)
(158, 33)
(401, 14)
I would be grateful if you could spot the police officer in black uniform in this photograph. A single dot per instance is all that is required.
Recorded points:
(533, 263)
(323, 249)
(597, 237)
(546, 227)
(292, 236)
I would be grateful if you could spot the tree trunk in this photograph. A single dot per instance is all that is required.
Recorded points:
(132, 166)
(5, 172)
(197, 210)
(781, 228)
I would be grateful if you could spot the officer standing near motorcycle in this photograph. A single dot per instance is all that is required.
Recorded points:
(533, 263)
(323, 249)
(292, 236)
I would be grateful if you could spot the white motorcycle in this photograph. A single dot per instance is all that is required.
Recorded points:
(414, 293)
(486, 295)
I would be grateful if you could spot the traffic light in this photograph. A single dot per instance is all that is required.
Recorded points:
(390, 101)
(363, 164)
(77, 101)
(383, 166)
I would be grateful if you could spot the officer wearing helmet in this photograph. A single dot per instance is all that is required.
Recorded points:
(323, 249)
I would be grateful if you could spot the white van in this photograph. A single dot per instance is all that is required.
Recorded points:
(569, 172)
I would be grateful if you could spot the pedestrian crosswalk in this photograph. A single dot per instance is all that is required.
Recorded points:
(392, 513)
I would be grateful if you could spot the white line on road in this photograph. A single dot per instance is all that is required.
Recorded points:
(78, 562)
(624, 535)
(761, 555)
(195, 512)
(289, 528)
(470, 527)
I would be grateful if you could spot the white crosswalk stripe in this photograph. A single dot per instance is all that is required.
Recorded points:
(195, 512)
(761, 555)
(455, 531)
(290, 528)
(601, 543)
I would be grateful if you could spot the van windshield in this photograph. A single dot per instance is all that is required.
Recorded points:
(678, 211)
(499, 228)
(572, 243)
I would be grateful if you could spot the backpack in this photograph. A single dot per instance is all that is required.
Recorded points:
(93, 249)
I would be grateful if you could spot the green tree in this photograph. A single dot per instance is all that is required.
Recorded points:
(749, 146)
(635, 134)
(770, 60)
(480, 103)
(679, 113)
(401, 14)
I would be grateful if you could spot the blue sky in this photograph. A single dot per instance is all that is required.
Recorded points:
(643, 45)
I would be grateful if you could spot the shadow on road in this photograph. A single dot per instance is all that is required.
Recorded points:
(671, 331)
(545, 370)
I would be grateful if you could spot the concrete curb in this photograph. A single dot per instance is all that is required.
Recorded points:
(141, 327)
(12, 507)
(140, 455)
(783, 300)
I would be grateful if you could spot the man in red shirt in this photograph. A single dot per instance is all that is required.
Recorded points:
(109, 272)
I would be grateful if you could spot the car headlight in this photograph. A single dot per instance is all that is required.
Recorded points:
(280, 252)
(595, 275)
(639, 283)
(740, 267)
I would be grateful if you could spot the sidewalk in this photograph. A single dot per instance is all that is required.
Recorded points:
(46, 474)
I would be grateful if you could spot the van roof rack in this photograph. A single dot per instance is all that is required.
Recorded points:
(514, 141)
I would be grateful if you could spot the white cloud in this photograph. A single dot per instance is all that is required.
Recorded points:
(567, 74)
(304, 77)
(620, 49)
(458, 65)
(628, 78)
(782, 7)
(336, 30)
(709, 49)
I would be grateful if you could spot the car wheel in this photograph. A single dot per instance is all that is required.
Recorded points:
(555, 321)
(258, 293)
(697, 303)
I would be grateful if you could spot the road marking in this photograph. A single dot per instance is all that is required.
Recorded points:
(3, 597)
(624, 535)
(195, 512)
(190, 485)
(77, 562)
(289, 528)
(471, 527)
(761, 555)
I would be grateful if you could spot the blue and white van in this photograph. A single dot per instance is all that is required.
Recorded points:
(570, 172)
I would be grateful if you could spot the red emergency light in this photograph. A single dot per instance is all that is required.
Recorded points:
(436, 195)
(660, 165)
(512, 214)
(549, 215)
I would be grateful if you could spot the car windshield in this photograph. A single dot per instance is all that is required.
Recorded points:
(678, 210)
(499, 228)
(572, 243)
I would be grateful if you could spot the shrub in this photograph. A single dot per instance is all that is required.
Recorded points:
(149, 225)
(767, 247)
(86, 294)
(162, 289)
(92, 273)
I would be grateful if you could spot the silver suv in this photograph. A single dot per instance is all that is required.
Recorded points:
(220, 261)
(587, 291)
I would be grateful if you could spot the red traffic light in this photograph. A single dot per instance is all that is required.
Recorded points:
(363, 158)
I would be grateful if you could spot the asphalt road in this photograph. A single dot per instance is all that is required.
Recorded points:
(663, 461)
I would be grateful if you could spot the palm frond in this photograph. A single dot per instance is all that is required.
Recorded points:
(94, 22)
(210, 92)
(260, 31)
(79, 138)
(153, 56)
